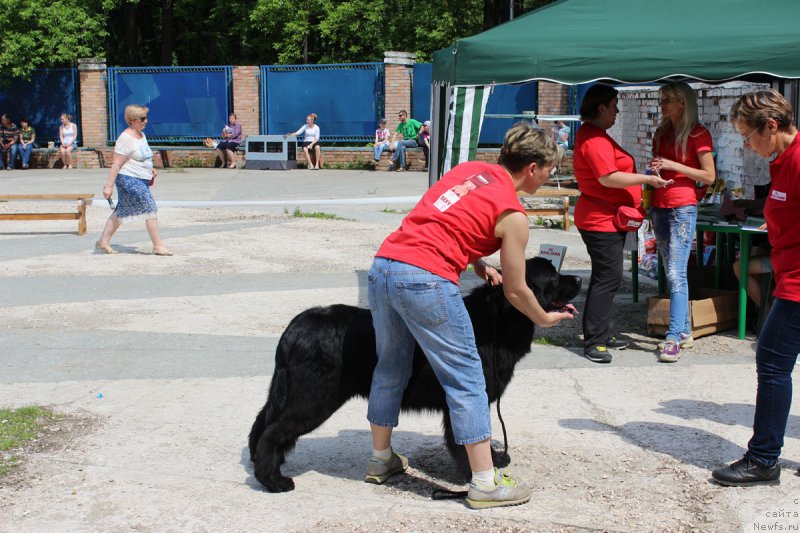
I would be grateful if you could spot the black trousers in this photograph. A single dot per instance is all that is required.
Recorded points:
(605, 250)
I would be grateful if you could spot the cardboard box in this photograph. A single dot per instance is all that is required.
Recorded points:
(711, 310)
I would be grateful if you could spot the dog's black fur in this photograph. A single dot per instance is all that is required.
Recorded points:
(327, 355)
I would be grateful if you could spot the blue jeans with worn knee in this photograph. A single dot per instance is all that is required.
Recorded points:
(410, 304)
(776, 356)
(400, 151)
(379, 148)
(12, 157)
(674, 229)
(25, 153)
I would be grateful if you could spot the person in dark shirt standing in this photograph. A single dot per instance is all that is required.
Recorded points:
(9, 134)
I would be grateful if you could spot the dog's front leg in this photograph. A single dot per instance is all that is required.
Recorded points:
(457, 451)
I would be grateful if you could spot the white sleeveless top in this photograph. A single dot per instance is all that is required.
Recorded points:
(68, 133)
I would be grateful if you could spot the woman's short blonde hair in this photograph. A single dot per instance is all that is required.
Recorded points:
(135, 112)
(756, 108)
(524, 145)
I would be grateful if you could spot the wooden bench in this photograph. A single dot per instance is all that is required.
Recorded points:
(80, 215)
(562, 210)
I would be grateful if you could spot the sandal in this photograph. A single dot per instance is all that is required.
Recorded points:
(162, 251)
(107, 249)
(232, 166)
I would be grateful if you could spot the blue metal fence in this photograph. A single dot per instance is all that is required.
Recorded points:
(186, 103)
(421, 92)
(43, 99)
(347, 98)
(504, 100)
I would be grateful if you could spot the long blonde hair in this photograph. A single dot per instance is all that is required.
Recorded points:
(680, 91)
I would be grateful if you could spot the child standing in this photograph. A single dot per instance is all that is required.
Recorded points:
(381, 139)
(424, 140)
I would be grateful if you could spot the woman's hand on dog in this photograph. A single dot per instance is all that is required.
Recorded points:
(487, 273)
(553, 318)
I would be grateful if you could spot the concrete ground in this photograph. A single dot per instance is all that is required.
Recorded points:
(168, 359)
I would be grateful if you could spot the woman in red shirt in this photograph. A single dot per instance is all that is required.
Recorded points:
(766, 122)
(607, 179)
(413, 294)
(682, 149)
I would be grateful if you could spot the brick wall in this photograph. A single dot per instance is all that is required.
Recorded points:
(639, 116)
(94, 102)
(553, 100)
(398, 74)
(247, 99)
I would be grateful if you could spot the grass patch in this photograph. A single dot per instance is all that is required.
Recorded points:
(395, 211)
(358, 164)
(17, 427)
(189, 162)
(548, 341)
(298, 213)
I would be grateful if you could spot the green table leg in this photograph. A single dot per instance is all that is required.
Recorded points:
(744, 264)
(635, 275)
(720, 254)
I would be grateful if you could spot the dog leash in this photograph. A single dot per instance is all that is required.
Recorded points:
(444, 494)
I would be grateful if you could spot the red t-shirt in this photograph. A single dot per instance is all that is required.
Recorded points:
(454, 222)
(596, 155)
(781, 211)
(682, 192)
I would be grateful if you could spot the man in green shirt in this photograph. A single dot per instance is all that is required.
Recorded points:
(409, 129)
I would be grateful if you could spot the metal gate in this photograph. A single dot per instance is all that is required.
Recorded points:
(347, 98)
(186, 104)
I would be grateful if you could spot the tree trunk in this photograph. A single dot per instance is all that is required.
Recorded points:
(167, 12)
(130, 34)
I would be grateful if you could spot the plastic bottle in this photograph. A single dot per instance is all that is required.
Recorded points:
(647, 191)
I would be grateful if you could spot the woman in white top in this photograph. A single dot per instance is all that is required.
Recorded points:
(310, 133)
(68, 135)
(133, 173)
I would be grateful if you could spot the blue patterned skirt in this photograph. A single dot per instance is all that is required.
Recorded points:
(134, 200)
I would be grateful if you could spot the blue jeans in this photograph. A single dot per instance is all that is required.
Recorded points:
(674, 230)
(12, 157)
(409, 303)
(776, 355)
(25, 153)
(379, 148)
(399, 156)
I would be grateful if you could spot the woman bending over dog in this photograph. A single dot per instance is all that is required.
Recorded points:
(472, 212)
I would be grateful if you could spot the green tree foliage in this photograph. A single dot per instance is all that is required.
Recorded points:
(43, 33)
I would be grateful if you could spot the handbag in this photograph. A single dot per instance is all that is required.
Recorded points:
(626, 218)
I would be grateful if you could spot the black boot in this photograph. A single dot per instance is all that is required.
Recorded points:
(746, 473)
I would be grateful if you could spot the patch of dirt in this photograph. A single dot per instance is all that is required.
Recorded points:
(59, 434)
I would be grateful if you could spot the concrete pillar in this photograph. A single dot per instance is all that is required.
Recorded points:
(247, 99)
(399, 74)
(94, 102)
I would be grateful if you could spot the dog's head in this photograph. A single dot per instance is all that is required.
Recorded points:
(553, 290)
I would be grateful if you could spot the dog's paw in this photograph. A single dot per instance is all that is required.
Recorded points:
(279, 484)
(500, 459)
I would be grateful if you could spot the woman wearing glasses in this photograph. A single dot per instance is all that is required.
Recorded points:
(766, 122)
(607, 179)
(133, 173)
(682, 150)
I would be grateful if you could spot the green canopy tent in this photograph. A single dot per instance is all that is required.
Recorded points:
(628, 41)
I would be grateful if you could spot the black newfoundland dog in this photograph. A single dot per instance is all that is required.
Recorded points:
(327, 355)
